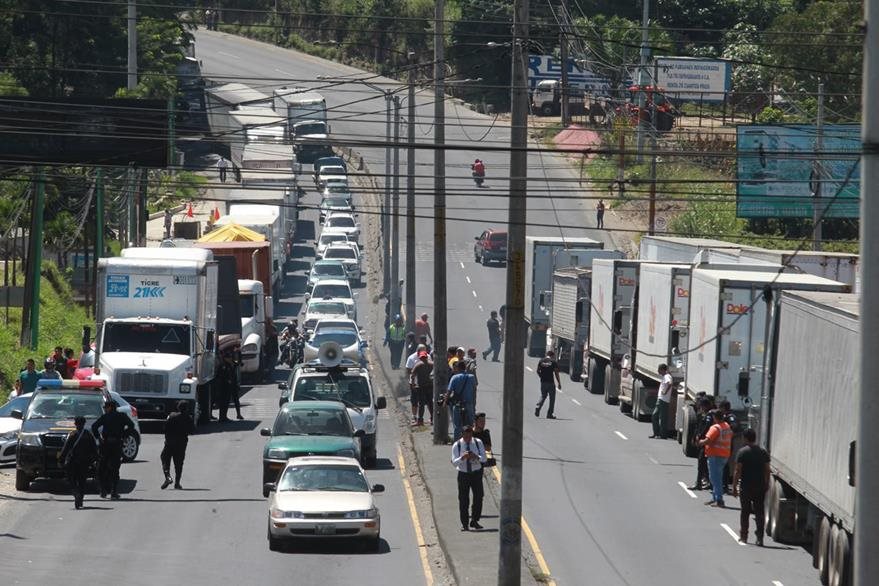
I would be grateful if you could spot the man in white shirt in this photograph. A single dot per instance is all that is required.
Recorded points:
(663, 399)
(222, 165)
(468, 455)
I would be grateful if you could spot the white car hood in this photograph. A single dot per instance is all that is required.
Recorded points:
(143, 361)
(8, 424)
(320, 502)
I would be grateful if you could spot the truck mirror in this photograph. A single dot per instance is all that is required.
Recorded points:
(618, 322)
(270, 310)
(209, 341)
(743, 384)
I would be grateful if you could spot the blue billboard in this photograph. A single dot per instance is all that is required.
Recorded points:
(776, 170)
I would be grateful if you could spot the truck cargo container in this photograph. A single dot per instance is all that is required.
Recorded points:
(569, 320)
(270, 156)
(673, 249)
(837, 266)
(238, 127)
(253, 260)
(299, 104)
(222, 99)
(267, 221)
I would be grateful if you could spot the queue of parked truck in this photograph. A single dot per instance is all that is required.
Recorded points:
(775, 333)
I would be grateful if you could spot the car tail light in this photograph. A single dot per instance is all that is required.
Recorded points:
(134, 412)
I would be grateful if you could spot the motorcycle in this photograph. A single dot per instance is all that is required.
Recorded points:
(478, 178)
(292, 348)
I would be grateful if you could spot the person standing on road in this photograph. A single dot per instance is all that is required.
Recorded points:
(168, 219)
(495, 337)
(395, 339)
(411, 346)
(547, 369)
(422, 328)
(730, 417)
(421, 383)
(599, 214)
(229, 387)
(751, 481)
(468, 455)
(78, 455)
(111, 427)
(703, 422)
(717, 443)
(663, 399)
(29, 377)
(178, 427)
(222, 165)
(460, 398)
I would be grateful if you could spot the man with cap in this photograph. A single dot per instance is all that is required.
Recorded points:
(395, 339)
(468, 456)
(77, 456)
(111, 428)
(178, 427)
(495, 337)
(421, 383)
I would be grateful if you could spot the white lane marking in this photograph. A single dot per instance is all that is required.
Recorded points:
(480, 308)
(229, 55)
(654, 460)
(621, 435)
(529, 369)
(732, 533)
(285, 72)
(462, 264)
(467, 279)
(576, 402)
(777, 583)
(689, 492)
(474, 293)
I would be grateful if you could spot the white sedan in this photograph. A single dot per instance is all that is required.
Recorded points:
(323, 497)
(348, 254)
(318, 309)
(343, 222)
(327, 237)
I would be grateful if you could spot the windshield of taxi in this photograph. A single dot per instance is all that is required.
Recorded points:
(312, 422)
(333, 387)
(339, 478)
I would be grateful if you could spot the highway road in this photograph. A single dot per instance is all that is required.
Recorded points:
(605, 502)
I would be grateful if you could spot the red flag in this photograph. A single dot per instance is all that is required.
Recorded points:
(189, 212)
(216, 214)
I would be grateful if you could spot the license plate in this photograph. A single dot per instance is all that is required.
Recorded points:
(325, 530)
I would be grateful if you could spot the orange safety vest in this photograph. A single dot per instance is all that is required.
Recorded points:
(720, 440)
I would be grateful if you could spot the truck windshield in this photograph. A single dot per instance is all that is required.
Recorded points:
(146, 337)
(247, 304)
(310, 128)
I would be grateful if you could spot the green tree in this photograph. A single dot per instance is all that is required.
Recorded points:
(751, 78)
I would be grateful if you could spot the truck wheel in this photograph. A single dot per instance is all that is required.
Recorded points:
(22, 480)
(831, 554)
(546, 109)
(824, 550)
(608, 385)
(773, 508)
(688, 432)
(629, 407)
(841, 572)
(596, 377)
(637, 386)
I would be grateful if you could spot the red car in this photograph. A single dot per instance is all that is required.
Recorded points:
(490, 246)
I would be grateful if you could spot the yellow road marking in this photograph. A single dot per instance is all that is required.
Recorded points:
(532, 541)
(419, 537)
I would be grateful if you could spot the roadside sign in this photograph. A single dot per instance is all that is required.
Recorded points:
(694, 79)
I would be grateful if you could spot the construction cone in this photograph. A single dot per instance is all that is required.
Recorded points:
(189, 212)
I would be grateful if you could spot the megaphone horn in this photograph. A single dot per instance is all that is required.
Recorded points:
(330, 354)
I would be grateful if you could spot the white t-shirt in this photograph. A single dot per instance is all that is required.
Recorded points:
(665, 388)
(412, 361)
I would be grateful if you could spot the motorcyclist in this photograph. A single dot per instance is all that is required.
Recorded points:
(290, 339)
(478, 168)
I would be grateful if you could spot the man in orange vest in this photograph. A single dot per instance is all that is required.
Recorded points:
(718, 445)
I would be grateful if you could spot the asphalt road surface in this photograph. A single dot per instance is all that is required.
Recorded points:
(603, 500)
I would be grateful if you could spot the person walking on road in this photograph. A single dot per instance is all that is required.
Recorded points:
(460, 398)
(395, 339)
(547, 370)
(717, 443)
(599, 214)
(168, 219)
(422, 328)
(421, 383)
(178, 427)
(78, 455)
(750, 483)
(111, 428)
(468, 455)
(663, 399)
(495, 337)
(222, 165)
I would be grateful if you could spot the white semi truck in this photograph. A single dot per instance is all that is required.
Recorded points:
(543, 255)
(222, 99)
(257, 332)
(252, 125)
(676, 249)
(837, 266)
(156, 315)
(807, 418)
(569, 319)
(299, 105)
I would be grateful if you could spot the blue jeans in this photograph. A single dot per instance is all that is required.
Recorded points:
(462, 414)
(715, 475)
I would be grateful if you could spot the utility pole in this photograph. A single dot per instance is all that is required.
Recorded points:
(410, 200)
(172, 138)
(818, 172)
(652, 214)
(440, 302)
(99, 226)
(132, 44)
(36, 257)
(566, 89)
(510, 556)
(386, 208)
(395, 216)
(867, 453)
(642, 76)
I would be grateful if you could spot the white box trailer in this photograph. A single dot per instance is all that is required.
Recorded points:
(543, 255)
(569, 320)
(241, 125)
(674, 249)
(729, 330)
(808, 421)
(222, 99)
(156, 314)
(269, 156)
(261, 199)
(613, 304)
(837, 266)
(299, 105)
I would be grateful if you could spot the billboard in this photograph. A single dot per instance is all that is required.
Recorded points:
(542, 67)
(775, 170)
(83, 131)
(694, 79)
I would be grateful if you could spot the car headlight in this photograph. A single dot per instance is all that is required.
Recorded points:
(346, 453)
(276, 454)
(8, 436)
(369, 423)
(281, 514)
(30, 439)
(365, 514)
(185, 388)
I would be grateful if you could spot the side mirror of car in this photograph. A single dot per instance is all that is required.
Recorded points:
(270, 486)
(265, 432)
(378, 488)
(282, 386)
(381, 403)
(360, 433)
(16, 414)
(476, 238)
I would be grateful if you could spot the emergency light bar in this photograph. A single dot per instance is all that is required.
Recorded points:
(54, 383)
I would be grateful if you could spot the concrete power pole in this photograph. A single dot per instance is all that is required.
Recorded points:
(651, 230)
(440, 302)
(510, 557)
(867, 481)
(410, 200)
(386, 208)
(395, 216)
(132, 44)
(642, 76)
(818, 171)
(565, 85)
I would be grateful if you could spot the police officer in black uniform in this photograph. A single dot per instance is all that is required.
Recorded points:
(228, 386)
(111, 428)
(178, 427)
(77, 456)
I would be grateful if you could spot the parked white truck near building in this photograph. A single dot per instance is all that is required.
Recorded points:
(156, 315)
(569, 320)
(543, 255)
(729, 331)
(807, 417)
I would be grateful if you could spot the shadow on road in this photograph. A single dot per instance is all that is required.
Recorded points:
(337, 546)
(383, 464)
